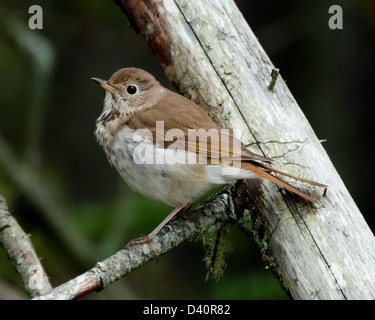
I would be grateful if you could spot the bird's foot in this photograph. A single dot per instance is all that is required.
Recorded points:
(144, 239)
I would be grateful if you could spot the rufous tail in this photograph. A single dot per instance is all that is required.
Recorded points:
(256, 168)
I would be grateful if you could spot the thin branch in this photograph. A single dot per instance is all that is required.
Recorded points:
(208, 218)
(21, 253)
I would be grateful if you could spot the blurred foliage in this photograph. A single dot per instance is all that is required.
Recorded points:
(59, 184)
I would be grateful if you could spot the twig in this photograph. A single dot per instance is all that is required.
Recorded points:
(21, 253)
(274, 75)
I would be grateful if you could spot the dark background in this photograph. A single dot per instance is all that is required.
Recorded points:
(59, 184)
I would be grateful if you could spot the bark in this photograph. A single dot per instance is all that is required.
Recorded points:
(21, 253)
(210, 54)
(209, 218)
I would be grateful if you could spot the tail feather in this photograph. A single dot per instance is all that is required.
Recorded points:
(255, 168)
(290, 175)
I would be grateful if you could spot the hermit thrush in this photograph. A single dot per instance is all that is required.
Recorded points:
(149, 134)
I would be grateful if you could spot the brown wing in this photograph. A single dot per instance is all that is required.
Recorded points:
(185, 116)
(188, 127)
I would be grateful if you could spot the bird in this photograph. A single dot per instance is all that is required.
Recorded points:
(150, 133)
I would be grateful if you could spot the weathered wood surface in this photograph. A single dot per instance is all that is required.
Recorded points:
(209, 52)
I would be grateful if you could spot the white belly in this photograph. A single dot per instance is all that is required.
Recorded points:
(157, 173)
(166, 175)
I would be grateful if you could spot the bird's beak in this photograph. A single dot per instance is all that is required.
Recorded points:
(105, 85)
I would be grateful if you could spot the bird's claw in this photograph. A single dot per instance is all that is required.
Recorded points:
(144, 239)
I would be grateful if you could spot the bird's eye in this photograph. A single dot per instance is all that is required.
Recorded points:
(131, 89)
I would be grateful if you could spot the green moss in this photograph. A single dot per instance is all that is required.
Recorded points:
(217, 249)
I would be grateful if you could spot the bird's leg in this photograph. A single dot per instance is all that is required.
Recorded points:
(184, 213)
(150, 237)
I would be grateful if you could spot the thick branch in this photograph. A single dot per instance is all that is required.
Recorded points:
(209, 52)
(21, 253)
